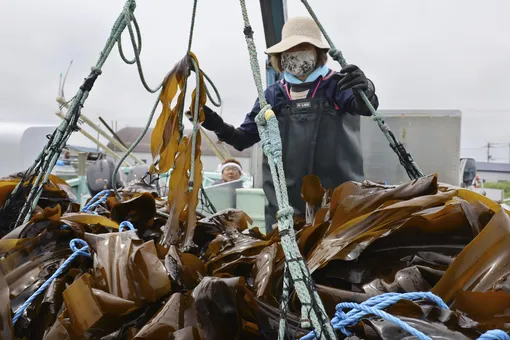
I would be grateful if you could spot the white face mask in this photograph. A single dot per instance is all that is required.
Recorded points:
(298, 63)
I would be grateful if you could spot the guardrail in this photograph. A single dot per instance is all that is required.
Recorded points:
(80, 189)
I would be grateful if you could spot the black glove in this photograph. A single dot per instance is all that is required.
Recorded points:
(213, 122)
(352, 78)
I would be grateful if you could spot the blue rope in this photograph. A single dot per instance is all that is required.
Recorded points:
(79, 248)
(382, 314)
(495, 334)
(374, 306)
(125, 226)
(96, 200)
(376, 303)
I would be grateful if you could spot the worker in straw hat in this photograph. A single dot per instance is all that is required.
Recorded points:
(318, 114)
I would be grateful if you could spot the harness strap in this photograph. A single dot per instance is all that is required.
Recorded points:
(313, 144)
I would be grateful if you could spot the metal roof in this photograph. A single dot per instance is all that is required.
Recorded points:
(129, 134)
(80, 148)
(493, 167)
(421, 113)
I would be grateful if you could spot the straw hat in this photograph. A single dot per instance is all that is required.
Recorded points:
(296, 31)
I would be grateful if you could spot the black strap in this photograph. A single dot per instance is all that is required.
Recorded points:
(313, 145)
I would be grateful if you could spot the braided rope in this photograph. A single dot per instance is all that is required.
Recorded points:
(79, 248)
(98, 199)
(197, 70)
(51, 152)
(374, 306)
(312, 309)
(190, 41)
(495, 334)
(129, 16)
(195, 125)
(126, 226)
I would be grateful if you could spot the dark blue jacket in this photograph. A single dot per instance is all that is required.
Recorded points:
(247, 134)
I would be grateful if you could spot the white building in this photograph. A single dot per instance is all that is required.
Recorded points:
(21, 144)
(209, 159)
(493, 172)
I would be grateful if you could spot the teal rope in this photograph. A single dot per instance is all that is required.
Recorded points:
(181, 126)
(130, 17)
(195, 125)
(190, 41)
(406, 160)
(138, 44)
(131, 148)
(217, 103)
(52, 150)
(312, 308)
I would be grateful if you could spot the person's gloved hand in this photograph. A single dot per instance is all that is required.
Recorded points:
(352, 78)
(212, 121)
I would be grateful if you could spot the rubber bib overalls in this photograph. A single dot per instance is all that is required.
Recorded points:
(317, 139)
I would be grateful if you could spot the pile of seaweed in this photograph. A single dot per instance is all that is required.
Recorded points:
(219, 279)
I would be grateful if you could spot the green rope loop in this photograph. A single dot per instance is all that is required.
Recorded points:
(217, 103)
(132, 147)
(138, 45)
(129, 17)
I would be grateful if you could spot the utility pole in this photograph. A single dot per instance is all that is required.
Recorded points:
(489, 152)
(98, 139)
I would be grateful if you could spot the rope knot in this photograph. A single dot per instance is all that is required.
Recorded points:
(88, 83)
(287, 212)
(260, 118)
(337, 55)
(266, 147)
(131, 5)
(96, 70)
(248, 32)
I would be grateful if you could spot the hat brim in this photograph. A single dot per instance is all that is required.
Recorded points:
(292, 41)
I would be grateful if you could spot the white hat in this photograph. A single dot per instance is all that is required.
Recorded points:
(296, 31)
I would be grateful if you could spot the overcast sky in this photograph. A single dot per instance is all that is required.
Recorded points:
(421, 54)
